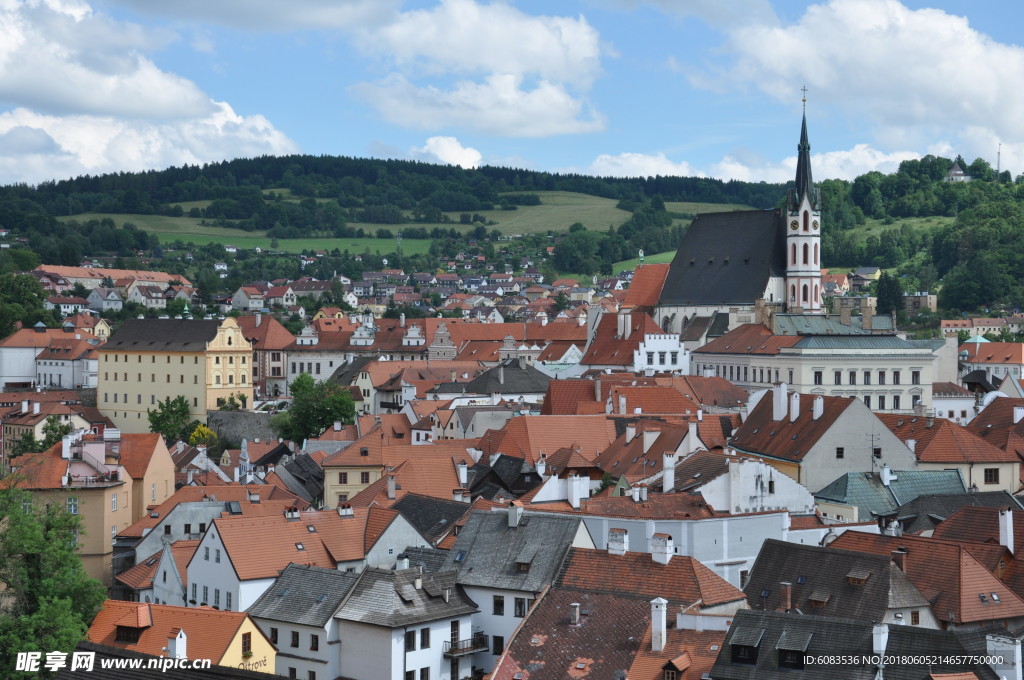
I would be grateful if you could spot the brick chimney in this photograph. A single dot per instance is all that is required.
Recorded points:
(785, 595)
(899, 558)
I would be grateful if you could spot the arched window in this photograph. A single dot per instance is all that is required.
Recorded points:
(793, 256)
(815, 253)
(805, 229)
(792, 293)
(815, 293)
(804, 291)
(807, 252)
(807, 221)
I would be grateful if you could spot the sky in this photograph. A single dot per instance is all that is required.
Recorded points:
(626, 88)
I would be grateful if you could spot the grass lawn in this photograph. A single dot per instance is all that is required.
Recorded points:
(657, 258)
(698, 208)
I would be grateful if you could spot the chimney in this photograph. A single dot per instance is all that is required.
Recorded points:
(661, 548)
(650, 436)
(785, 595)
(24, 406)
(700, 415)
(668, 472)
(899, 558)
(337, 426)
(622, 404)
(845, 314)
(401, 319)
(574, 613)
(879, 639)
(542, 465)
(417, 582)
(658, 623)
(35, 408)
(794, 406)
(579, 488)
(778, 401)
(403, 562)
(346, 510)
(191, 471)
(630, 432)
(643, 491)
(618, 541)
(867, 314)
(1006, 528)
(291, 514)
(515, 513)
(392, 487)
(929, 421)
(691, 436)
(912, 444)
(1018, 413)
(177, 644)
(634, 492)
(457, 494)
(463, 470)
(259, 319)
(887, 475)
(818, 408)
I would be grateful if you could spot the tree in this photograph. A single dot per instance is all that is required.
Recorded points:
(49, 600)
(315, 406)
(203, 436)
(171, 419)
(890, 294)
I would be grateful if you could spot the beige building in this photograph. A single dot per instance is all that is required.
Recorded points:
(108, 480)
(149, 360)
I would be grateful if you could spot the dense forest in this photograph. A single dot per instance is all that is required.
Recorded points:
(971, 254)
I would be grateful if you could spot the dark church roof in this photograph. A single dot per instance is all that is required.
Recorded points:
(726, 258)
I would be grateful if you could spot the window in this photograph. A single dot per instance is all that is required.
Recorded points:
(364, 477)
(410, 641)
(915, 618)
(896, 403)
(895, 377)
(152, 492)
(881, 403)
(521, 607)
(425, 673)
(876, 452)
(670, 674)
(295, 638)
(744, 654)
(206, 595)
(838, 377)
(661, 358)
(206, 553)
(127, 634)
(881, 377)
(674, 357)
(424, 638)
(246, 643)
(195, 587)
(113, 502)
(216, 597)
(991, 475)
(342, 478)
(202, 528)
(499, 605)
(410, 675)
(915, 377)
(867, 377)
(216, 557)
(72, 505)
(853, 377)
(789, 658)
(498, 644)
(292, 673)
(273, 635)
(867, 400)
(188, 529)
(310, 675)
(227, 600)
(840, 452)
(819, 378)
(314, 642)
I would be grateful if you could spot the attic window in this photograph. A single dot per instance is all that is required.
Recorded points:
(363, 451)
(151, 561)
(321, 599)
(820, 598)
(995, 597)
(858, 577)
(801, 580)
(299, 546)
(983, 598)
(461, 555)
(766, 592)
(127, 634)
(522, 567)
(311, 528)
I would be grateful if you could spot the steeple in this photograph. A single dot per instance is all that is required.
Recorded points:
(804, 182)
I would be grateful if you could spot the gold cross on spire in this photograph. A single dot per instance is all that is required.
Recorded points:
(804, 89)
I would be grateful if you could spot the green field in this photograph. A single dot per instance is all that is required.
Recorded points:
(657, 258)
(698, 208)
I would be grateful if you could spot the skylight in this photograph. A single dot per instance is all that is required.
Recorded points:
(299, 546)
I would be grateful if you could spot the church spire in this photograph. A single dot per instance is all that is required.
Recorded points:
(804, 182)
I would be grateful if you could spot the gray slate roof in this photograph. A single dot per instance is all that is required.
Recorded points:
(304, 595)
(431, 559)
(866, 491)
(821, 574)
(925, 512)
(490, 549)
(390, 598)
(431, 517)
(163, 335)
(726, 258)
(509, 377)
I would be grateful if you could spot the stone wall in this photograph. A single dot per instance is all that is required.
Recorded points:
(234, 426)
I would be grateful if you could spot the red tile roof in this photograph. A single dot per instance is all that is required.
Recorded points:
(941, 441)
(785, 439)
(607, 349)
(749, 338)
(645, 288)
(529, 436)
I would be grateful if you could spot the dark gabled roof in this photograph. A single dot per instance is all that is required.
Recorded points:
(487, 550)
(509, 377)
(431, 517)
(873, 498)
(388, 598)
(726, 258)
(117, 655)
(304, 595)
(307, 473)
(431, 559)
(163, 335)
(273, 456)
(925, 512)
(820, 585)
(509, 468)
(346, 373)
(825, 635)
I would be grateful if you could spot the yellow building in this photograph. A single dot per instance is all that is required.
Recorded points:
(149, 360)
(226, 638)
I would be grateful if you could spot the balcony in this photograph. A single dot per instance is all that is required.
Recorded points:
(477, 643)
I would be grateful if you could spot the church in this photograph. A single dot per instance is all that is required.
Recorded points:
(744, 266)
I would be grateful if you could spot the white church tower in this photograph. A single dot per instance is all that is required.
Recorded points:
(803, 234)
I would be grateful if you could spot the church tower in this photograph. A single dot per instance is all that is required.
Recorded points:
(803, 234)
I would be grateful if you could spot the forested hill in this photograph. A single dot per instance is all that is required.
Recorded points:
(406, 185)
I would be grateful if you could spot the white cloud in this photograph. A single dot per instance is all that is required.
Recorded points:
(531, 72)
(49, 147)
(62, 58)
(639, 165)
(500, 105)
(272, 15)
(448, 150)
(909, 76)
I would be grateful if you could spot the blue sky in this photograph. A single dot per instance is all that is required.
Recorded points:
(605, 87)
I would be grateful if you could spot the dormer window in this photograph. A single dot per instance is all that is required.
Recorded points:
(127, 634)
(792, 646)
(745, 642)
(858, 577)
